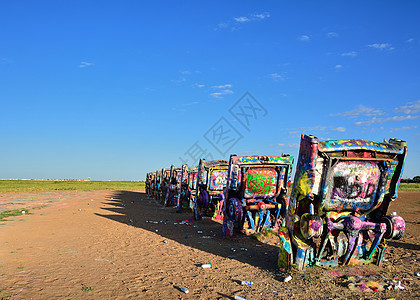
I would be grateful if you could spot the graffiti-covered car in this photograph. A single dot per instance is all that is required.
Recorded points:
(211, 181)
(338, 210)
(185, 187)
(165, 180)
(256, 193)
(150, 183)
(157, 184)
(192, 184)
(172, 187)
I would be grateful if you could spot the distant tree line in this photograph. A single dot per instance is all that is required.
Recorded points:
(416, 179)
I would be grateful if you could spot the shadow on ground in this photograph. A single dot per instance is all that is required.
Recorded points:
(137, 210)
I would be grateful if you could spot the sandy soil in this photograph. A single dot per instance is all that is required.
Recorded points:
(118, 245)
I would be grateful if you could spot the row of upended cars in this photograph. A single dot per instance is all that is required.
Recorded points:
(334, 212)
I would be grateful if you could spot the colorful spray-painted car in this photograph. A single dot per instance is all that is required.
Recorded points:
(165, 179)
(338, 207)
(157, 184)
(211, 181)
(192, 184)
(256, 193)
(171, 197)
(185, 188)
(150, 183)
(147, 183)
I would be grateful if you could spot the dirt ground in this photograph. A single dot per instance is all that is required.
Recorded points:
(118, 245)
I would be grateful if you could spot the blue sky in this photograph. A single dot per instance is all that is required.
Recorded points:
(111, 90)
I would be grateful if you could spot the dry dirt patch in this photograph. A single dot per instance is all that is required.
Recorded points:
(120, 244)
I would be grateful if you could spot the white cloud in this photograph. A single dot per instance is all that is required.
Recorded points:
(222, 25)
(241, 19)
(304, 38)
(410, 108)
(224, 86)
(85, 64)
(179, 109)
(350, 53)
(288, 145)
(410, 40)
(180, 80)
(339, 129)
(360, 110)
(276, 76)
(224, 89)
(338, 66)
(221, 93)
(332, 34)
(262, 15)
(382, 46)
(376, 120)
(293, 145)
(190, 103)
(299, 130)
(234, 23)
(198, 85)
(404, 128)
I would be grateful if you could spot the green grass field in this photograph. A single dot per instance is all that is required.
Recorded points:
(25, 186)
(409, 187)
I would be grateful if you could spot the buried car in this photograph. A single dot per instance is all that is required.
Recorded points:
(187, 177)
(211, 181)
(256, 193)
(338, 206)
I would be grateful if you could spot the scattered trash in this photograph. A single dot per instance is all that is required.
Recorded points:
(244, 282)
(287, 279)
(206, 237)
(282, 269)
(165, 242)
(237, 297)
(417, 274)
(396, 286)
(258, 245)
(80, 209)
(156, 230)
(23, 212)
(244, 249)
(199, 232)
(131, 220)
(186, 236)
(206, 266)
(233, 249)
(185, 290)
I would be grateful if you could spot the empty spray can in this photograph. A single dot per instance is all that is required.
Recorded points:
(185, 290)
